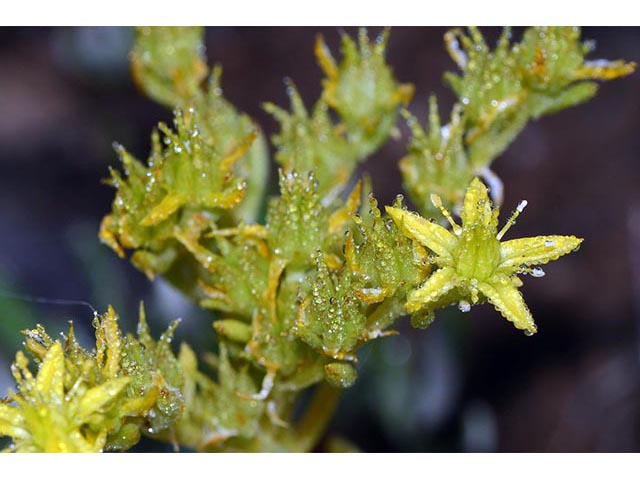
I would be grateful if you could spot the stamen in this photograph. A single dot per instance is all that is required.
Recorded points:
(521, 206)
(437, 202)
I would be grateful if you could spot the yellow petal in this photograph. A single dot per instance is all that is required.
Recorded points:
(438, 284)
(350, 253)
(238, 152)
(276, 267)
(96, 397)
(13, 431)
(11, 422)
(163, 210)
(5, 412)
(107, 236)
(112, 337)
(226, 199)
(604, 69)
(433, 236)
(49, 381)
(139, 406)
(507, 299)
(204, 256)
(325, 59)
(535, 251)
(340, 217)
(477, 206)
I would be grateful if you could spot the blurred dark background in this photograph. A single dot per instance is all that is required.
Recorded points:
(471, 382)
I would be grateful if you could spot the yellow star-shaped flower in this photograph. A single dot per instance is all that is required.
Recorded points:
(474, 264)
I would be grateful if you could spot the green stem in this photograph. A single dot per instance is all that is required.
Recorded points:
(315, 420)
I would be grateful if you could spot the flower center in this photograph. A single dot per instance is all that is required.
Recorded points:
(477, 254)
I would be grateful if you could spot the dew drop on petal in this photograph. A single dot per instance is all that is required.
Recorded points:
(549, 243)
(537, 272)
(464, 306)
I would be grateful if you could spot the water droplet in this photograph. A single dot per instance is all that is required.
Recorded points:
(465, 101)
(528, 333)
(537, 272)
(464, 306)
(549, 243)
